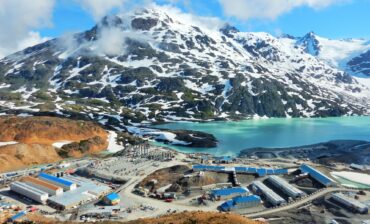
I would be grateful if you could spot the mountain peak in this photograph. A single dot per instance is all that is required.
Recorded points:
(310, 43)
(161, 65)
(311, 34)
(111, 21)
(229, 30)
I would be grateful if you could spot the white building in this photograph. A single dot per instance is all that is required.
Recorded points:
(29, 191)
(51, 189)
(350, 203)
(287, 188)
(269, 194)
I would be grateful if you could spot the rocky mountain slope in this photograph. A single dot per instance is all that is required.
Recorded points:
(350, 55)
(21, 155)
(156, 65)
(47, 130)
(26, 141)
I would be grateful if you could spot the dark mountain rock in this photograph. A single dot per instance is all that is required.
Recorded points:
(143, 24)
(360, 64)
(174, 70)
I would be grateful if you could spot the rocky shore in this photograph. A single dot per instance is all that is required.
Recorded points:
(342, 151)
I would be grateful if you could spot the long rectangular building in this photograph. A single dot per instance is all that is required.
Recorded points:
(65, 184)
(208, 168)
(49, 188)
(351, 203)
(29, 191)
(287, 188)
(317, 175)
(87, 190)
(241, 170)
(226, 193)
(240, 202)
(269, 194)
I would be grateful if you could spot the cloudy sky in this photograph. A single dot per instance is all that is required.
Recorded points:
(24, 23)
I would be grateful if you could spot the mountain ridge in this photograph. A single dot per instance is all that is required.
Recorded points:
(148, 66)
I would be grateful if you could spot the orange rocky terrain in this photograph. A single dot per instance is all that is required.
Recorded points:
(179, 218)
(35, 136)
(197, 218)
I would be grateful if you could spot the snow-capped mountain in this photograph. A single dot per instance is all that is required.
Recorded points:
(311, 44)
(350, 55)
(155, 65)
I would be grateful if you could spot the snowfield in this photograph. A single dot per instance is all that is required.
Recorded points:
(355, 177)
(7, 143)
(112, 143)
(166, 61)
(61, 144)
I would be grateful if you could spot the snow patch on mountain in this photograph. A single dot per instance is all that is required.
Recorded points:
(336, 52)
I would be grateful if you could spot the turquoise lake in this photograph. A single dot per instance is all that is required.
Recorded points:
(234, 136)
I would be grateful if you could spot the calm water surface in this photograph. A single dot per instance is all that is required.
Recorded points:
(275, 132)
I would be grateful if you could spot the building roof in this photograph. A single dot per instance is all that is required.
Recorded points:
(246, 199)
(240, 199)
(317, 175)
(87, 190)
(349, 200)
(29, 188)
(211, 168)
(112, 196)
(56, 179)
(229, 191)
(261, 171)
(270, 194)
(240, 169)
(41, 183)
(227, 205)
(281, 183)
(18, 215)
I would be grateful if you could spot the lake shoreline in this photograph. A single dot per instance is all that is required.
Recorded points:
(234, 137)
(339, 151)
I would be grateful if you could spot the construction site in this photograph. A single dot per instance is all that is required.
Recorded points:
(146, 181)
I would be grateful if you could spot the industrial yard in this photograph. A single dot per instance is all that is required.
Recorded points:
(149, 181)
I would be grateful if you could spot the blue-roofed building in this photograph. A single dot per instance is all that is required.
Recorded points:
(17, 216)
(208, 168)
(241, 170)
(63, 183)
(281, 171)
(317, 175)
(111, 199)
(260, 171)
(227, 193)
(227, 206)
(241, 202)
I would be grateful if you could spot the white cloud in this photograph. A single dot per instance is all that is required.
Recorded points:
(30, 39)
(208, 23)
(100, 8)
(110, 42)
(268, 9)
(17, 20)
